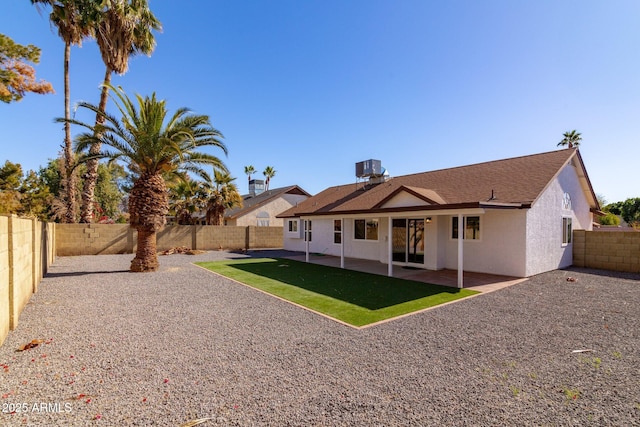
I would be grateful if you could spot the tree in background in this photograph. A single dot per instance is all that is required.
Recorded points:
(153, 144)
(10, 179)
(186, 198)
(571, 139)
(269, 172)
(630, 212)
(72, 18)
(17, 77)
(249, 170)
(123, 28)
(224, 195)
(27, 196)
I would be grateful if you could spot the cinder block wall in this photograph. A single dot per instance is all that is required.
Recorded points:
(4, 278)
(96, 239)
(21, 277)
(608, 250)
(26, 251)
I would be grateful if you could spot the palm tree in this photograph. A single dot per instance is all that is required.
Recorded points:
(269, 172)
(249, 170)
(153, 144)
(123, 28)
(571, 139)
(72, 18)
(224, 195)
(186, 198)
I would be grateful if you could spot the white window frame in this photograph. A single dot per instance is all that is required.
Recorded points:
(464, 235)
(293, 224)
(337, 231)
(308, 232)
(567, 230)
(367, 221)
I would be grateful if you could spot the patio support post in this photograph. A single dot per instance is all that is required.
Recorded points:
(460, 249)
(389, 249)
(341, 242)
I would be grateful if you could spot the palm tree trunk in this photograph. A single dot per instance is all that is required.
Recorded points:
(70, 180)
(91, 175)
(146, 259)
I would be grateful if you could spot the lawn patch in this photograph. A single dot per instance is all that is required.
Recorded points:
(352, 297)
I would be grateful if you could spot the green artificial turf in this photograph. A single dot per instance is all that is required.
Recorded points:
(353, 297)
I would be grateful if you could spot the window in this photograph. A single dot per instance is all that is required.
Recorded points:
(365, 229)
(337, 231)
(307, 230)
(566, 231)
(293, 225)
(471, 227)
(262, 219)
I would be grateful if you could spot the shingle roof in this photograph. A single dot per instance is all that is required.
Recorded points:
(515, 182)
(249, 203)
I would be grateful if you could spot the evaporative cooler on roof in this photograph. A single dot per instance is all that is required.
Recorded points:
(368, 168)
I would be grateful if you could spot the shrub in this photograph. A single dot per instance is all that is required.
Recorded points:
(609, 219)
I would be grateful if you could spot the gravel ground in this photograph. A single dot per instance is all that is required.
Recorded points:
(127, 349)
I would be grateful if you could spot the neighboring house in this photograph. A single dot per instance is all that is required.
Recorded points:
(517, 216)
(260, 208)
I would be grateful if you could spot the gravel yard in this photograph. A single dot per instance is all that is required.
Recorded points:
(127, 349)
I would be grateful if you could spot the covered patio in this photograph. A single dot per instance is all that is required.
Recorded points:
(477, 281)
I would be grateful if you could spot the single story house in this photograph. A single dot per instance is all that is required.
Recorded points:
(511, 217)
(259, 208)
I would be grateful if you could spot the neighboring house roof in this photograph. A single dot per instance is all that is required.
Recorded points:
(250, 203)
(508, 183)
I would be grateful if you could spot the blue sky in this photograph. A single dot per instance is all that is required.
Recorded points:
(312, 87)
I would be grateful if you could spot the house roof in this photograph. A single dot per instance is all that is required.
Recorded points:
(250, 203)
(509, 183)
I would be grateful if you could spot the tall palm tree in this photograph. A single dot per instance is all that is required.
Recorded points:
(72, 18)
(571, 139)
(249, 170)
(154, 144)
(269, 172)
(123, 28)
(224, 195)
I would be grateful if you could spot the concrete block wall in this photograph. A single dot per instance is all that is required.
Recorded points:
(4, 278)
(26, 251)
(21, 277)
(617, 251)
(96, 239)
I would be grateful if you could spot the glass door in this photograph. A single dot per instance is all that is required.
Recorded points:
(399, 240)
(415, 241)
(407, 240)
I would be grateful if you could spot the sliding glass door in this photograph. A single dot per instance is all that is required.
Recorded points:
(408, 240)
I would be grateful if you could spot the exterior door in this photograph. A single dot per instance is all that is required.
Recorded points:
(408, 240)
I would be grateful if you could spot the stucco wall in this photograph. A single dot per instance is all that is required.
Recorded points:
(500, 249)
(273, 208)
(545, 250)
(618, 251)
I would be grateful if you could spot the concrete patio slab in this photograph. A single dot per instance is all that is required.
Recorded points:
(477, 281)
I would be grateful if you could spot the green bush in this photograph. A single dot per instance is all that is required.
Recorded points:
(609, 219)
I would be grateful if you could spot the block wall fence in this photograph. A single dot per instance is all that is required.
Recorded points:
(27, 249)
(103, 239)
(608, 250)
